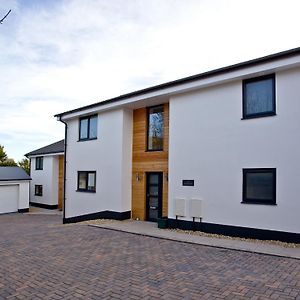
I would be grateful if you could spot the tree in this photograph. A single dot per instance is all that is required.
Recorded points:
(4, 160)
(3, 155)
(8, 163)
(24, 164)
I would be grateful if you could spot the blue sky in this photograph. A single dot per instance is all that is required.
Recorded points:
(59, 55)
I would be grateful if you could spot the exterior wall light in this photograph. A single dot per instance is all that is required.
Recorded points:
(138, 177)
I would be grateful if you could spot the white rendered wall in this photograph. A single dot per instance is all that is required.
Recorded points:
(110, 156)
(211, 144)
(48, 178)
(127, 160)
(23, 194)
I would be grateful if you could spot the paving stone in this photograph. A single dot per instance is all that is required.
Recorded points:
(42, 259)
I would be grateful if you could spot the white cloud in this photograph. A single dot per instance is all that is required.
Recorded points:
(58, 55)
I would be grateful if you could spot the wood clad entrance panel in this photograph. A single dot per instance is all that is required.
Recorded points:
(144, 162)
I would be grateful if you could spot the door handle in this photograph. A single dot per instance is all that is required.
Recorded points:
(153, 207)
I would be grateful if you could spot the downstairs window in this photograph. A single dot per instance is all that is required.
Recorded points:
(86, 181)
(259, 186)
(38, 190)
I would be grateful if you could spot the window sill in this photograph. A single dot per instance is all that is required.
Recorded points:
(39, 195)
(259, 202)
(156, 150)
(38, 169)
(84, 140)
(86, 191)
(271, 114)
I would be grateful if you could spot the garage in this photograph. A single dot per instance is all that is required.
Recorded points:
(14, 190)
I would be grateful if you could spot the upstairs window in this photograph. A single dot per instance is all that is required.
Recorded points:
(39, 163)
(259, 97)
(38, 190)
(259, 186)
(155, 128)
(88, 128)
(86, 181)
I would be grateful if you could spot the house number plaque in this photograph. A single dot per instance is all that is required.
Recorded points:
(188, 182)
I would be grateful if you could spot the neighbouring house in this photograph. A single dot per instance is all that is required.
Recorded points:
(46, 170)
(217, 152)
(14, 190)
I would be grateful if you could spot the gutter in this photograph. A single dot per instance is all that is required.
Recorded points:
(46, 154)
(16, 179)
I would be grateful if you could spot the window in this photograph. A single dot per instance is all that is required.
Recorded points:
(86, 181)
(259, 186)
(155, 128)
(259, 97)
(38, 190)
(88, 128)
(39, 163)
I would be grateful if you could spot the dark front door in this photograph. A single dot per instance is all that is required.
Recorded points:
(154, 196)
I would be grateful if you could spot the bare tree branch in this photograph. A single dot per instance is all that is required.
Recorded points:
(5, 16)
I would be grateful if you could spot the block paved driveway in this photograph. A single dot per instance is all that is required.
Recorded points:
(42, 259)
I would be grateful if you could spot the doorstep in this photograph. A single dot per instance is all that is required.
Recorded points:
(150, 229)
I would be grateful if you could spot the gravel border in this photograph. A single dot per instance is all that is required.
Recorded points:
(201, 233)
(219, 236)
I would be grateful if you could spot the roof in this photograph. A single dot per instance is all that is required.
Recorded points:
(57, 147)
(257, 61)
(13, 173)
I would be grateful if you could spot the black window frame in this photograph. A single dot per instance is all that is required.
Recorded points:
(259, 201)
(86, 184)
(147, 140)
(38, 190)
(88, 129)
(39, 163)
(261, 114)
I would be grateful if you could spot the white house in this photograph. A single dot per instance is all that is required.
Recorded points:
(219, 148)
(46, 170)
(14, 190)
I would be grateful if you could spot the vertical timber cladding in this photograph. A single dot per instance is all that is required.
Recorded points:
(147, 161)
(60, 180)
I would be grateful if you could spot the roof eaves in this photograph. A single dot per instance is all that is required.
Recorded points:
(42, 153)
(256, 61)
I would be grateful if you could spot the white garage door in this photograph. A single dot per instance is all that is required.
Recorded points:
(9, 197)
